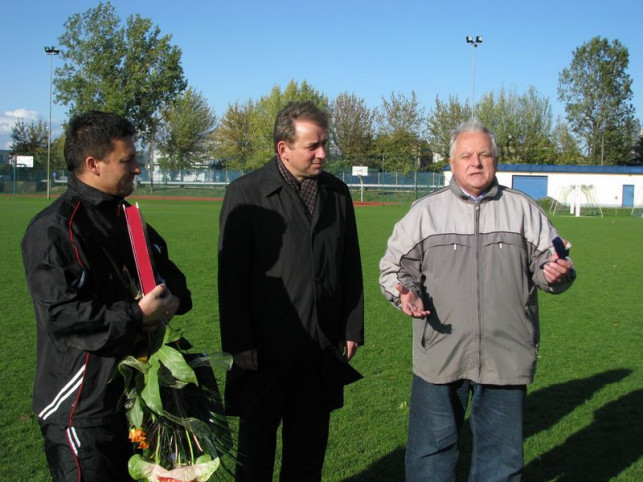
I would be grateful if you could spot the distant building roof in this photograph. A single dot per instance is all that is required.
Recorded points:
(567, 168)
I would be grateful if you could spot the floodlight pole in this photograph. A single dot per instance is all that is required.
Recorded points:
(474, 42)
(51, 51)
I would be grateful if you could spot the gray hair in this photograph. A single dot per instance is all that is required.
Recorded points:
(473, 125)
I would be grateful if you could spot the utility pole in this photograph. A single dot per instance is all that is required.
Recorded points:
(474, 42)
(51, 51)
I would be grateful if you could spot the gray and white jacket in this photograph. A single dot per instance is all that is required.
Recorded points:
(477, 266)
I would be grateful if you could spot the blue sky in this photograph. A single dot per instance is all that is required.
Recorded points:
(237, 50)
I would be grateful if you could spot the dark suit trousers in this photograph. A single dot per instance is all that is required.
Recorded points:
(294, 399)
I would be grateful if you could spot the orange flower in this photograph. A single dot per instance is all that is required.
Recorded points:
(143, 444)
(137, 434)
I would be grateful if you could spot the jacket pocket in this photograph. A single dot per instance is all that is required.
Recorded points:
(430, 331)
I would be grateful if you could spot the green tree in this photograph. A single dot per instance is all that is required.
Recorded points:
(441, 121)
(637, 160)
(58, 152)
(186, 131)
(521, 124)
(565, 145)
(131, 70)
(597, 91)
(233, 137)
(352, 128)
(30, 140)
(399, 137)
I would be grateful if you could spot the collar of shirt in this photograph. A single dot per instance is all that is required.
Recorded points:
(475, 198)
(307, 189)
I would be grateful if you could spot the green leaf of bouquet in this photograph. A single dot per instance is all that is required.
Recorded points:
(139, 468)
(171, 335)
(151, 394)
(127, 366)
(202, 459)
(206, 469)
(132, 362)
(173, 360)
(135, 413)
(167, 380)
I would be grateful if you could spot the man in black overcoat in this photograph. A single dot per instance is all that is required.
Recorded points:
(290, 300)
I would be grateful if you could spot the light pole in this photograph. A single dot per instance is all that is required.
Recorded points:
(474, 42)
(51, 51)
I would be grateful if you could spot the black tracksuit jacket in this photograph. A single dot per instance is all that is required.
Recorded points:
(79, 263)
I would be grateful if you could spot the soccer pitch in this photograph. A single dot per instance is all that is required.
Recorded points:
(584, 416)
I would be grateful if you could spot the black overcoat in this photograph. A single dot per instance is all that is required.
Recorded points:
(284, 275)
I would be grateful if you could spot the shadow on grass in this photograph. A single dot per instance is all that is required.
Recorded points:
(599, 452)
(545, 407)
(389, 468)
(606, 447)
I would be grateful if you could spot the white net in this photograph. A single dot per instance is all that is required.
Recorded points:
(576, 200)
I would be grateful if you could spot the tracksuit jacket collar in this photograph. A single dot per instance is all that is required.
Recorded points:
(93, 196)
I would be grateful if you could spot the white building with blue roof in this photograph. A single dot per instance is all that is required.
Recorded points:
(602, 186)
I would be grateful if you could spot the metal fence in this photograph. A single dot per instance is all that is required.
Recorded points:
(376, 186)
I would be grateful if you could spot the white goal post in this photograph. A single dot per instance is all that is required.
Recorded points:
(637, 206)
(576, 197)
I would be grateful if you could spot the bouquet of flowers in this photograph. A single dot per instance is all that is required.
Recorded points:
(175, 411)
(172, 401)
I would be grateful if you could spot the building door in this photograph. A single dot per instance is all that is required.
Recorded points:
(534, 186)
(628, 195)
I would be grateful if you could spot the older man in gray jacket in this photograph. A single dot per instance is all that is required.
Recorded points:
(466, 262)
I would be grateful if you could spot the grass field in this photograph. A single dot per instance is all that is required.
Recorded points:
(584, 417)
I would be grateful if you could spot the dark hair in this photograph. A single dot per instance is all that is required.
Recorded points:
(91, 134)
(294, 111)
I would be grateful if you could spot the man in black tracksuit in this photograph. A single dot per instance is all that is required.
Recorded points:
(82, 279)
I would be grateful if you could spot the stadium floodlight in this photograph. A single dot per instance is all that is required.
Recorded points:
(474, 44)
(51, 51)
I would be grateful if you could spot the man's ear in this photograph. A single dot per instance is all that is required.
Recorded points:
(281, 149)
(92, 166)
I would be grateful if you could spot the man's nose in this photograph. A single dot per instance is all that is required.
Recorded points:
(321, 153)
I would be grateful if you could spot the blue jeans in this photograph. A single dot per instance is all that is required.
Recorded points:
(436, 416)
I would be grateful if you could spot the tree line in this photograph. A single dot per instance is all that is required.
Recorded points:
(132, 69)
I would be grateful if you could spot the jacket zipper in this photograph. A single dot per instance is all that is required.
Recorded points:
(478, 284)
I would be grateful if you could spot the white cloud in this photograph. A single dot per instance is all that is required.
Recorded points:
(24, 114)
(10, 117)
(6, 124)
